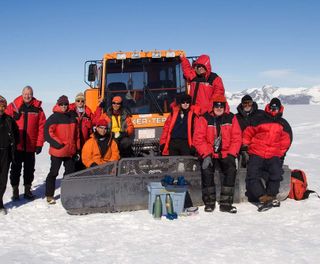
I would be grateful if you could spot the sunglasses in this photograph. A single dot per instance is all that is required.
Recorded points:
(64, 104)
(80, 101)
(274, 108)
(219, 105)
(114, 103)
(247, 103)
(185, 102)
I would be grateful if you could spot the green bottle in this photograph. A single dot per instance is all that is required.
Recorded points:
(157, 208)
(169, 204)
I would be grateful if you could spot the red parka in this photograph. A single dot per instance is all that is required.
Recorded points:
(61, 133)
(30, 119)
(206, 89)
(84, 123)
(169, 125)
(269, 135)
(206, 130)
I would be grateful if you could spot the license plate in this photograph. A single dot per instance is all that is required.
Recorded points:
(146, 133)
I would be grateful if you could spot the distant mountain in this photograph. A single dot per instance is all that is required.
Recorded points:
(286, 95)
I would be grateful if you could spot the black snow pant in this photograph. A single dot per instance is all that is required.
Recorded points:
(28, 160)
(56, 162)
(228, 169)
(125, 147)
(257, 169)
(179, 147)
(5, 159)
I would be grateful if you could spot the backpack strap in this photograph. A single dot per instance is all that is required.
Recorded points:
(210, 80)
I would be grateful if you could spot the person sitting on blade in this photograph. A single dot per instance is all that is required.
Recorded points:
(100, 147)
(247, 109)
(268, 138)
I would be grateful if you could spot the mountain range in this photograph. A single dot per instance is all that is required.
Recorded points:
(286, 95)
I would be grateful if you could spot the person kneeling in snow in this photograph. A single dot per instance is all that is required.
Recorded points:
(268, 139)
(217, 138)
(100, 147)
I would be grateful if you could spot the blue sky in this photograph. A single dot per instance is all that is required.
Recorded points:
(251, 42)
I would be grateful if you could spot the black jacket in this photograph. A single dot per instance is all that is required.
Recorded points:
(9, 134)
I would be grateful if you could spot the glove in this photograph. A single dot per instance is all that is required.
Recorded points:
(38, 150)
(93, 165)
(76, 157)
(231, 158)
(207, 161)
(244, 148)
(193, 151)
(102, 104)
(162, 147)
(16, 115)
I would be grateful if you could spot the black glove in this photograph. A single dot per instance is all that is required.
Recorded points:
(231, 157)
(16, 115)
(162, 147)
(38, 150)
(207, 161)
(102, 104)
(244, 148)
(76, 157)
(93, 165)
(193, 151)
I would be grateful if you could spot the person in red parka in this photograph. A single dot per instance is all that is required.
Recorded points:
(84, 118)
(30, 118)
(268, 138)
(176, 137)
(204, 84)
(217, 138)
(62, 134)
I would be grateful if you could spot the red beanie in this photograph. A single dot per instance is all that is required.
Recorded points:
(102, 122)
(63, 100)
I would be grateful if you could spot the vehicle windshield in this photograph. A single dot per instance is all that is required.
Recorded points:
(145, 85)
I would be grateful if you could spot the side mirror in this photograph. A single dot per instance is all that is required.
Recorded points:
(92, 73)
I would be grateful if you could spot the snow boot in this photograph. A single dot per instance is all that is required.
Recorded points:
(27, 192)
(3, 210)
(51, 200)
(209, 208)
(15, 193)
(268, 205)
(228, 208)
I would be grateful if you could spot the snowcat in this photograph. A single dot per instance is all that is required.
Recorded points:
(148, 82)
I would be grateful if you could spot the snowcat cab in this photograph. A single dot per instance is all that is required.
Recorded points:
(147, 81)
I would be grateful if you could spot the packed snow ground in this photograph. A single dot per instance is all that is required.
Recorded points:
(33, 232)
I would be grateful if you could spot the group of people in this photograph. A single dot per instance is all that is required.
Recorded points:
(200, 124)
(77, 137)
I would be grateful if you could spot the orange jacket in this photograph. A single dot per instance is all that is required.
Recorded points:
(91, 152)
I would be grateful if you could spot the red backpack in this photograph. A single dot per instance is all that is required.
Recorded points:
(299, 186)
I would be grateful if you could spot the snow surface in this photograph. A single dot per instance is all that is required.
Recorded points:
(33, 232)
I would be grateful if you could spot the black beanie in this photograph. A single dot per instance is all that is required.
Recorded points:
(63, 100)
(184, 98)
(275, 102)
(246, 98)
